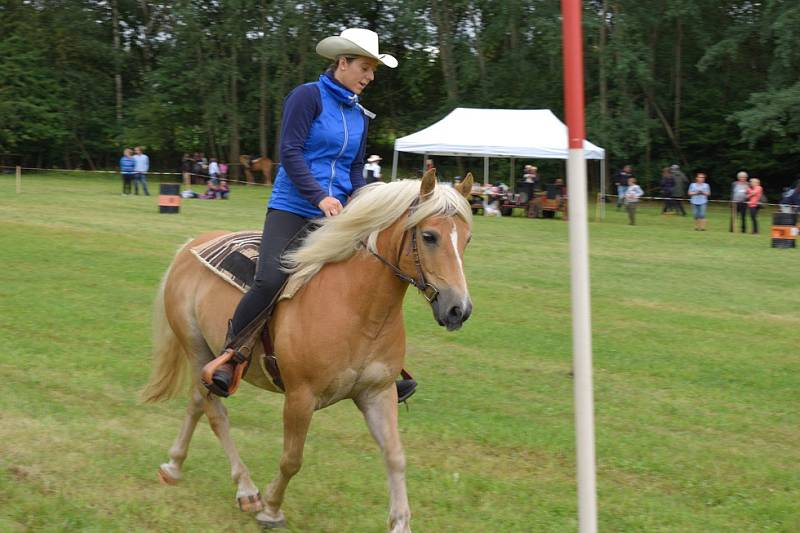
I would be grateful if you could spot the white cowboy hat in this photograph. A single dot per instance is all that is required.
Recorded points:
(373, 158)
(355, 41)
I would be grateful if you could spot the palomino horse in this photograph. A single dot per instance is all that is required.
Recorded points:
(340, 335)
(259, 164)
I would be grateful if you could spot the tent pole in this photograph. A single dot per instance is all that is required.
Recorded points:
(485, 171)
(424, 158)
(394, 166)
(511, 176)
(603, 188)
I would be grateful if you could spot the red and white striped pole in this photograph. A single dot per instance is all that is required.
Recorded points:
(579, 265)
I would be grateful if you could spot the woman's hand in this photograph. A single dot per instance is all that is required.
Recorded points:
(330, 206)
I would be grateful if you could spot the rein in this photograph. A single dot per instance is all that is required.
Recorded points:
(428, 290)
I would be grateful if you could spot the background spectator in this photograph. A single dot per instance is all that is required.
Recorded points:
(791, 198)
(372, 170)
(621, 181)
(211, 190)
(223, 191)
(141, 166)
(213, 171)
(186, 170)
(632, 194)
(667, 185)
(739, 194)
(127, 166)
(699, 191)
(530, 175)
(679, 189)
(754, 195)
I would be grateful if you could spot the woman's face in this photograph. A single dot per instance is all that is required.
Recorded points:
(356, 74)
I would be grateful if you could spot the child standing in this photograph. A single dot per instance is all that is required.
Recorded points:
(632, 194)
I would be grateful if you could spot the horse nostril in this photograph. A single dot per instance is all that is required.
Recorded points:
(455, 313)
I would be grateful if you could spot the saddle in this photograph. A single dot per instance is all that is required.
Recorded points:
(234, 258)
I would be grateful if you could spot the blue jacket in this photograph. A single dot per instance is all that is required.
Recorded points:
(323, 142)
(126, 165)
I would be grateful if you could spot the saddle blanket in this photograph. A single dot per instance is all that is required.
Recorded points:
(233, 257)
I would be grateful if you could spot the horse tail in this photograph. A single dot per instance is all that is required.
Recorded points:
(170, 362)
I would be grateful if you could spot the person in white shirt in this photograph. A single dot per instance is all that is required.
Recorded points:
(140, 167)
(213, 171)
(632, 194)
(739, 190)
(372, 170)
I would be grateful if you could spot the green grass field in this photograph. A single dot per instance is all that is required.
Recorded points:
(695, 370)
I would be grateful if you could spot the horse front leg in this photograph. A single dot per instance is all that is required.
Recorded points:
(380, 413)
(298, 408)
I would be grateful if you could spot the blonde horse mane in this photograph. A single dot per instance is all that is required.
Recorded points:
(373, 209)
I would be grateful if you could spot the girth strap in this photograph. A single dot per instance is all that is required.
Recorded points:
(270, 360)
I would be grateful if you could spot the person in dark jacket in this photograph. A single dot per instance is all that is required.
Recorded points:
(667, 185)
(679, 189)
(791, 199)
(323, 143)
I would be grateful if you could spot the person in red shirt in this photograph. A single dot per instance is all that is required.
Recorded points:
(753, 198)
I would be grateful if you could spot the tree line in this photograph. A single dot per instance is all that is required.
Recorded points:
(712, 85)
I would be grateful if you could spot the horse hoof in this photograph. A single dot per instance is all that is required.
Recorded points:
(278, 524)
(251, 503)
(165, 478)
(268, 522)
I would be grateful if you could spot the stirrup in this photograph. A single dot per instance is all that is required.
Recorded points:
(237, 359)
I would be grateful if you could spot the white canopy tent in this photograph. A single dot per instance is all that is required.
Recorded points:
(507, 133)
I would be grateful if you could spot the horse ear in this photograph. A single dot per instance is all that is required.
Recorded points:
(428, 182)
(465, 187)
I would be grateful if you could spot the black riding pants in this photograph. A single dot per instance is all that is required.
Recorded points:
(283, 231)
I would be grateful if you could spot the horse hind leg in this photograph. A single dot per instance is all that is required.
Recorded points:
(170, 473)
(247, 495)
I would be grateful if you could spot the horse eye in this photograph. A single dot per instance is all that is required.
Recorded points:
(428, 237)
(469, 239)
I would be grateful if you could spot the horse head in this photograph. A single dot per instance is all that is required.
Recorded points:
(441, 239)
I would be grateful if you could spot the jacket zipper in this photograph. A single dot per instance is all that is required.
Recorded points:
(344, 145)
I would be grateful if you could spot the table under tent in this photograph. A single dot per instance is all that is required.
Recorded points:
(496, 133)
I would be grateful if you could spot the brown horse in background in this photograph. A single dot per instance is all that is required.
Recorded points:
(259, 164)
(338, 334)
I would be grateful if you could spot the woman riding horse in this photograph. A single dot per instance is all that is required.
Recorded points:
(323, 143)
(338, 329)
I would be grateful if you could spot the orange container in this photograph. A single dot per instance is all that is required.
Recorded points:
(169, 201)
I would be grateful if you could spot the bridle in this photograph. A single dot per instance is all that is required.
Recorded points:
(428, 290)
